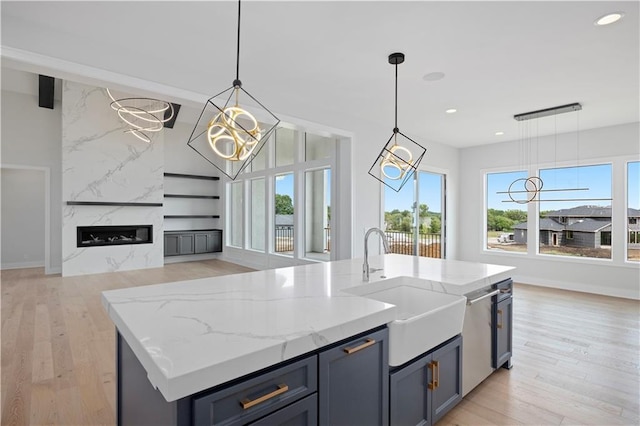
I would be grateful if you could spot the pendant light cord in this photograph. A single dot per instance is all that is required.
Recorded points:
(395, 130)
(238, 48)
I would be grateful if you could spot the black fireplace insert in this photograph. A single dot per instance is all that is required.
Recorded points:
(92, 236)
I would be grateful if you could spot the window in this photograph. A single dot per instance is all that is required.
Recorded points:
(633, 211)
(285, 200)
(582, 209)
(284, 218)
(235, 214)
(506, 220)
(258, 210)
(317, 214)
(284, 146)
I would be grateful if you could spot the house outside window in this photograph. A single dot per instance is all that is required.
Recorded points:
(580, 223)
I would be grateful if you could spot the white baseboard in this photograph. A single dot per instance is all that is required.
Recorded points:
(23, 265)
(580, 287)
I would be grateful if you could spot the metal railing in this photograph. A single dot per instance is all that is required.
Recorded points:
(327, 239)
(429, 245)
(283, 238)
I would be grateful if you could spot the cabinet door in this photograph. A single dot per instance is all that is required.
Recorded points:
(215, 242)
(446, 366)
(301, 413)
(353, 382)
(186, 244)
(409, 402)
(201, 241)
(171, 245)
(502, 332)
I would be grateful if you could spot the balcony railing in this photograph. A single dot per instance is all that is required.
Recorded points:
(402, 243)
(283, 238)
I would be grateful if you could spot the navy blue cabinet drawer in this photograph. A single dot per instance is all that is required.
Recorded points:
(301, 413)
(254, 398)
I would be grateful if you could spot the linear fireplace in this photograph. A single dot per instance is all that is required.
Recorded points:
(92, 236)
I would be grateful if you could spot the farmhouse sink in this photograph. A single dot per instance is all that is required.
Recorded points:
(424, 318)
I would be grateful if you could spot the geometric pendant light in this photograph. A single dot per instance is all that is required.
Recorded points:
(401, 155)
(233, 126)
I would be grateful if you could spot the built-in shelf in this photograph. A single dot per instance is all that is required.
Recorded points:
(108, 203)
(191, 216)
(211, 197)
(180, 175)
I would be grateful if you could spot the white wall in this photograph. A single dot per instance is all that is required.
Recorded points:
(101, 163)
(615, 145)
(31, 136)
(23, 211)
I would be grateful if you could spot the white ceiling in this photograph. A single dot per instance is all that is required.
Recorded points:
(305, 58)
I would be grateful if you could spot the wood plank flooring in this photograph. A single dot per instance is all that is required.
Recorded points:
(576, 355)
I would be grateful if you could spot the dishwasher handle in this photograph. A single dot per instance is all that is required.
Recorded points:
(484, 296)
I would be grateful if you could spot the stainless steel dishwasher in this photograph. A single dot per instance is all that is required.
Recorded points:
(477, 349)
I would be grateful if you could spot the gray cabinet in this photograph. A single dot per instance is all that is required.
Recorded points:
(263, 395)
(301, 413)
(424, 390)
(447, 367)
(192, 242)
(502, 332)
(171, 245)
(354, 382)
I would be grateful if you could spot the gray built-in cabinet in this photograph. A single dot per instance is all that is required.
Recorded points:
(192, 241)
(342, 384)
(425, 389)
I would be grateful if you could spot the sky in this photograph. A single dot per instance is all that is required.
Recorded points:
(430, 193)
(284, 185)
(597, 178)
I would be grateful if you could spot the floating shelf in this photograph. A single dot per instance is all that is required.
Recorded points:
(191, 216)
(211, 197)
(180, 175)
(107, 203)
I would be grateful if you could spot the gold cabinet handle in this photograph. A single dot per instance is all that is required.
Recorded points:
(247, 403)
(433, 383)
(436, 380)
(369, 342)
(500, 322)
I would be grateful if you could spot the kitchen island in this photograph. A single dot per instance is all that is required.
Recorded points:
(191, 338)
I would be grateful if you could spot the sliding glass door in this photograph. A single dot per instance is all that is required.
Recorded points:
(414, 218)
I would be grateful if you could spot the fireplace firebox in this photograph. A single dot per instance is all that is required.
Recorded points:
(92, 236)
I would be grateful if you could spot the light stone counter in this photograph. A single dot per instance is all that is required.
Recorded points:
(192, 335)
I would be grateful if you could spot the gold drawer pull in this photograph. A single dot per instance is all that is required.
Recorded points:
(246, 403)
(434, 366)
(431, 366)
(500, 323)
(366, 344)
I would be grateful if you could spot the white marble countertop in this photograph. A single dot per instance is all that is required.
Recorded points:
(192, 335)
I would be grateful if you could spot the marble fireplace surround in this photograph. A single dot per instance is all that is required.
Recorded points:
(109, 178)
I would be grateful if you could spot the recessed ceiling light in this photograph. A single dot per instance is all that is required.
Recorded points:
(499, 133)
(433, 76)
(609, 18)
(451, 110)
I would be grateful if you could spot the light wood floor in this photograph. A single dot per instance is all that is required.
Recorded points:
(576, 356)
